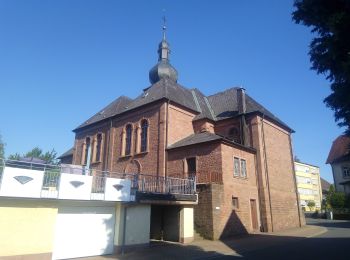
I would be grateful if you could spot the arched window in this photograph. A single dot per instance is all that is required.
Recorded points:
(87, 151)
(98, 147)
(128, 131)
(233, 135)
(144, 135)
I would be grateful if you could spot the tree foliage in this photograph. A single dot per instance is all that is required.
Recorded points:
(330, 49)
(49, 156)
(2, 148)
(311, 204)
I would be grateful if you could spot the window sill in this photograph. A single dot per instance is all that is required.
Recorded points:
(125, 156)
(141, 153)
(240, 177)
(95, 163)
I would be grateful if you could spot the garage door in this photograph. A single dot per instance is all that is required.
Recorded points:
(84, 231)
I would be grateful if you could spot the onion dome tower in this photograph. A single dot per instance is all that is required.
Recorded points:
(163, 68)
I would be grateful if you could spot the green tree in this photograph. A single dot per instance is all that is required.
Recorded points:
(311, 204)
(338, 200)
(330, 49)
(36, 152)
(2, 148)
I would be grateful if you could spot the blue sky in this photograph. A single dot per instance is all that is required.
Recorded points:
(62, 61)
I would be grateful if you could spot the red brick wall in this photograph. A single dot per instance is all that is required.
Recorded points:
(180, 124)
(151, 162)
(223, 127)
(208, 158)
(274, 161)
(237, 221)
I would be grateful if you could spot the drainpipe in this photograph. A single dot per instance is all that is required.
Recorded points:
(166, 140)
(294, 179)
(259, 192)
(242, 109)
(266, 169)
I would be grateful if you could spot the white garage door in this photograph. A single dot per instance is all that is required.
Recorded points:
(84, 231)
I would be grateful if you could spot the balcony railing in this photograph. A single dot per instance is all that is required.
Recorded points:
(63, 181)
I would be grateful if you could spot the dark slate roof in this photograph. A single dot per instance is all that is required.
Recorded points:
(114, 108)
(196, 139)
(340, 148)
(67, 153)
(216, 107)
(225, 106)
(168, 89)
(165, 88)
(203, 105)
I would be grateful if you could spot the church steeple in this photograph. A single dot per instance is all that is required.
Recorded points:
(163, 69)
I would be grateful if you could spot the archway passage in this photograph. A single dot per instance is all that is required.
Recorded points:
(165, 223)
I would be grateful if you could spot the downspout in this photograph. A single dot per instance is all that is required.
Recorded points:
(266, 169)
(166, 140)
(295, 181)
(259, 192)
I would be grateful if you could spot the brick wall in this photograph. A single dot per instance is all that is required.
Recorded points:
(180, 124)
(275, 171)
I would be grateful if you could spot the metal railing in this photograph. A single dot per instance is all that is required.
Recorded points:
(139, 182)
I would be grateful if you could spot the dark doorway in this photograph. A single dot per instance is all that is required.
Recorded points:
(191, 166)
(165, 223)
(254, 214)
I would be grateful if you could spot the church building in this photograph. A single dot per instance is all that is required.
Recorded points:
(238, 152)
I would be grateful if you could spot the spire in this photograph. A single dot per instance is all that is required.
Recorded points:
(163, 49)
(163, 69)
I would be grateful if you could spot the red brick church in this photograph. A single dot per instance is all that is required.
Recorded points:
(239, 152)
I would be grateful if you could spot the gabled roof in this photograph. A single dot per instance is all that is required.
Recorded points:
(67, 153)
(196, 139)
(114, 108)
(222, 105)
(165, 88)
(225, 106)
(340, 149)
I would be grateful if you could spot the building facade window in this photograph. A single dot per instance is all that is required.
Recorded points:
(233, 135)
(239, 167)
(128, 139)
(144, 135)
(243, 168)
(346, 172)
(87, 151)
(235, 204)
(98, 147)
(236, 171)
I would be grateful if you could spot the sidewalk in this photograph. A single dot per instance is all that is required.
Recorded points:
(207, 249)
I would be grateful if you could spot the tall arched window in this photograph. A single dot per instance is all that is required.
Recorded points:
(144, 135)
(87, 152)
(98, 147)
(128, 131)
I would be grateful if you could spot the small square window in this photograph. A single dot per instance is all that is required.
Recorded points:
(346, 172)
(235, 202)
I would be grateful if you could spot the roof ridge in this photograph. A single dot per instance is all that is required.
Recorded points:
(226, 90)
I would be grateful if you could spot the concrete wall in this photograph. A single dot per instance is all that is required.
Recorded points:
(137, 229)
(27, 228)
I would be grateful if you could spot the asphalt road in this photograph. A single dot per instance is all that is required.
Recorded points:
(334, 244)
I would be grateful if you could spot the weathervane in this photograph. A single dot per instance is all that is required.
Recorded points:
(164, 25)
